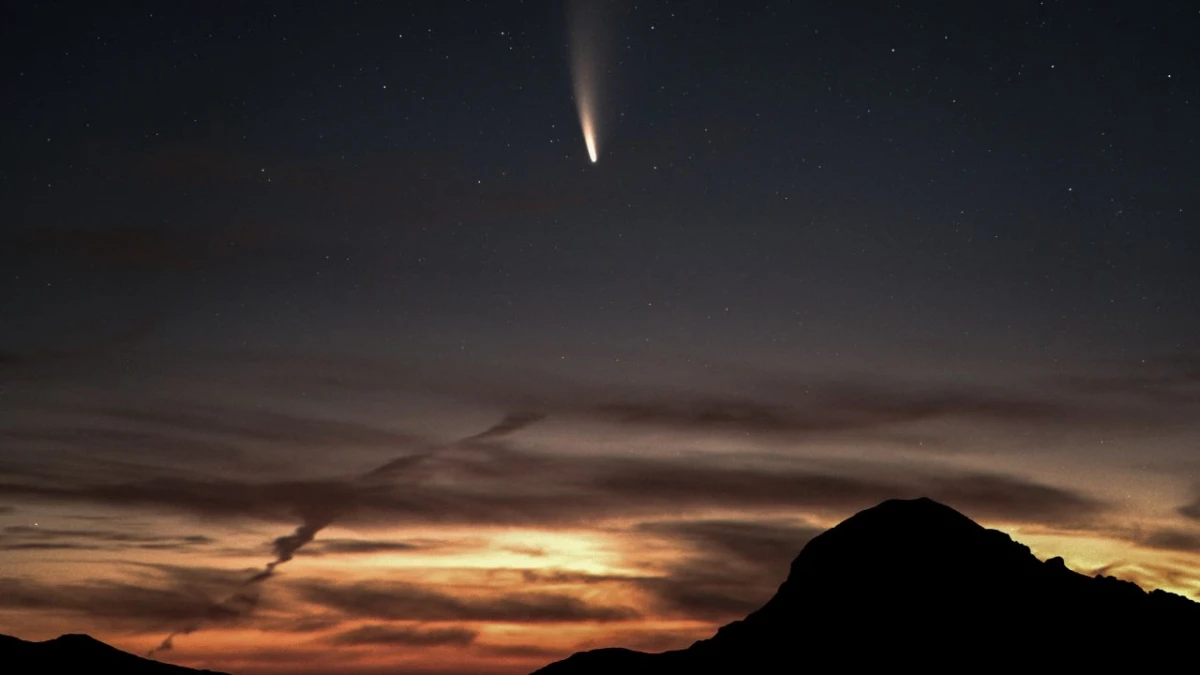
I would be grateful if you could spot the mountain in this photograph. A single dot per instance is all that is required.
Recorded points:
(916, 584)
(79, 655)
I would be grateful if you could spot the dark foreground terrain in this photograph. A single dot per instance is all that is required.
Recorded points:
(78, 655)
(915, 584)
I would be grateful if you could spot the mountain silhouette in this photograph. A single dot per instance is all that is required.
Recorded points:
(914, 583)
(79, 655)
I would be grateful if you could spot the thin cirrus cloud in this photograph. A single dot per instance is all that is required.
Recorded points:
(1173, 380)
(395, 601)
(404, 636)
(1172, 540)
(363, 547)
(132, 606)
(839, 408)
(514, 485)
(870, 411)
(185, 596)
(1191, 510)
(25, 537)
(729, 568)
(491, 483)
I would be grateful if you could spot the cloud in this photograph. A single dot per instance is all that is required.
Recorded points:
(1151, 576)
(558, 577)
(824, 408)
(1009, 498)
(260, 426)
(1191, 510)
(1173, 540)
(658, 640)
(666, 484)
(303, 622)
(207, 497)
(406, 602)
(1174, 380)
(111, 444)
(790, 408)
(25, 537)
(768, 545)
(133, 606)
(495, 484)
(672, 485)
(408, 636)
(731, 567)
(512, 423)
(254, 440)
(364, 546)
(520, 651)
(47, 546)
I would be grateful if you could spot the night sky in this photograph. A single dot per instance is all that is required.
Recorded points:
(325, 347)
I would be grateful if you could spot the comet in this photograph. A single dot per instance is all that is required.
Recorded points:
(586, 27)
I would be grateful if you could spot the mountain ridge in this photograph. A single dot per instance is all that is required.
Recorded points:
(916, 583)
(73, 653)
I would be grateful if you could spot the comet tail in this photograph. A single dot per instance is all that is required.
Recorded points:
(586, 32)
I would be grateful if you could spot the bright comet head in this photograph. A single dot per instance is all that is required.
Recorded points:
(589, 137)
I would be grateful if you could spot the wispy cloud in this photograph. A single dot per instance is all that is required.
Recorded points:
(25, 537)
(132, 606)
(1173, 540)
(834, 407)
(364, 546)
(1170, 381)
(395, 601)
(404, 636)
(1191, 510)
(730, 567)
(500, 485)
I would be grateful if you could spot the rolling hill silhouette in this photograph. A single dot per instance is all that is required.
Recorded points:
(916, 584)
(79, 655)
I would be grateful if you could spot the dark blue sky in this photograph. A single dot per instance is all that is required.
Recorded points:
(1010, 181)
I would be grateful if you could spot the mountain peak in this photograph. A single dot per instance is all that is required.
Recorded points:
(78, 640)
(79, 653)
(915, 583)
(920, 509)
(905, 539)
(906, 519)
